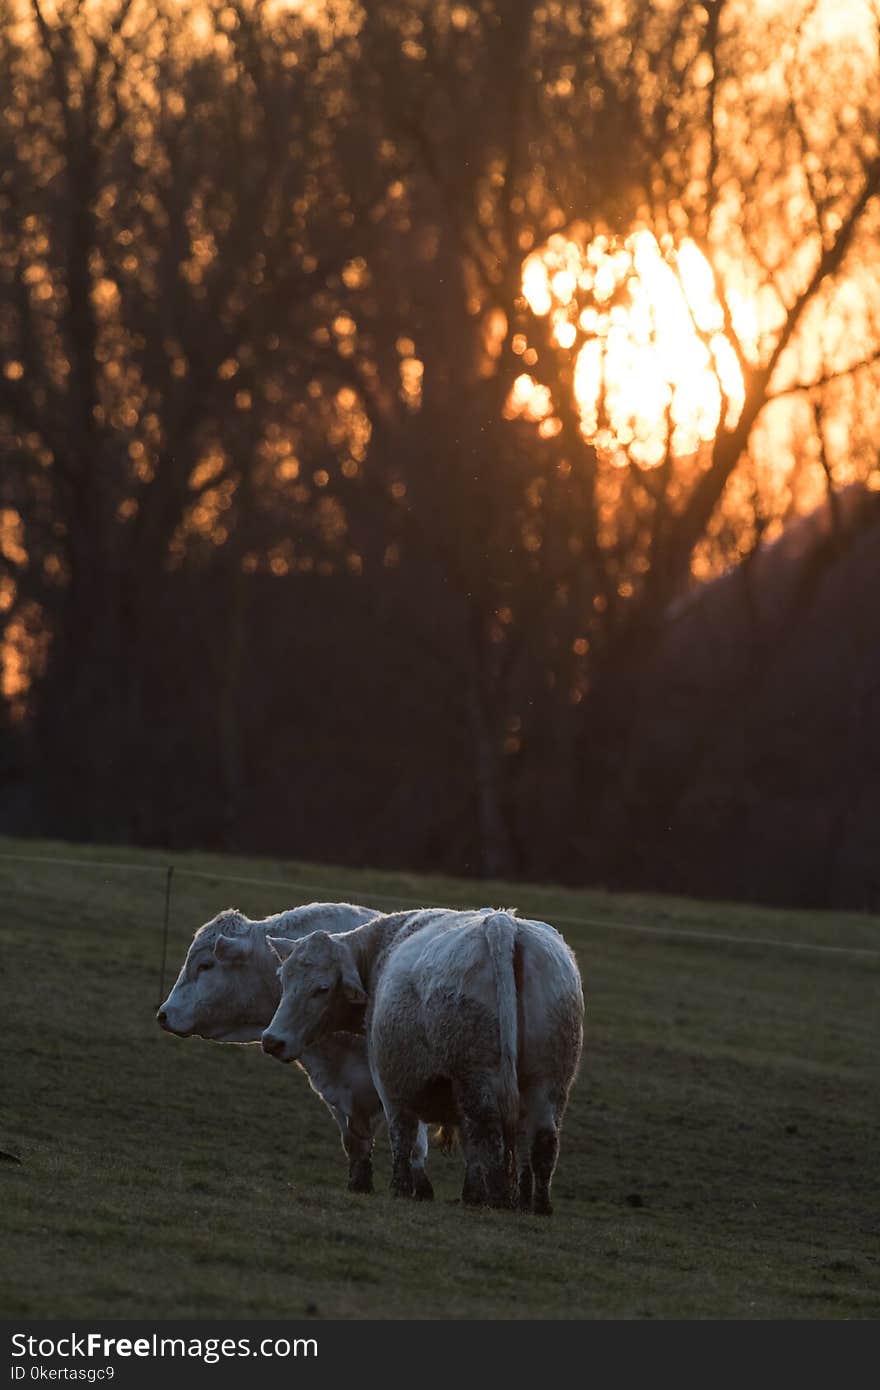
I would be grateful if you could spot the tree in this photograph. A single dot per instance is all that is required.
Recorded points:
(169, 210)
(527, 136)
(359, 289)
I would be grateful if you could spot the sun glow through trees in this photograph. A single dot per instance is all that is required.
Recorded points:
(654, 372)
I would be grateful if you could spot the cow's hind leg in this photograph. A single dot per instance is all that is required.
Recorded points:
(545, 1151)
(487, 1176)
(473, 1190)
(403, 1127)
(542, 1117)
(526, 1187)
(526, 1178)
(526, 1181)
(422, 1189)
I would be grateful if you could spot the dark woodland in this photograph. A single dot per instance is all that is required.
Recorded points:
(285, 569)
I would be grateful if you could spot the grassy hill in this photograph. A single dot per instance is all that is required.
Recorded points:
(719, 1158)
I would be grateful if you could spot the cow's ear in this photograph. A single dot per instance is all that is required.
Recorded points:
(233, 949)
(352, 984)
(281, 945)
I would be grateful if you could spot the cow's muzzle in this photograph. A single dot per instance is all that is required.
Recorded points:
(162, 1020)
(275, 1046)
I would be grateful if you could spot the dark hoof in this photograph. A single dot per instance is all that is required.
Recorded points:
(402, 1185)
(360, 1176)
(526, 1191)
(501, 1204)
(543, 1206)
(422, 1189)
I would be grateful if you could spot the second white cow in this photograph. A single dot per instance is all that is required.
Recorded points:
(227, 991)
(472, 1018)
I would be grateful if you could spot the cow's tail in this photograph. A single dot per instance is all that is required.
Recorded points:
(501, 932)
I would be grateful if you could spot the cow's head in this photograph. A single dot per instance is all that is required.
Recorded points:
(227, 988)
(321, 992)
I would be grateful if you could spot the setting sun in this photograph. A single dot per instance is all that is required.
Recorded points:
(654, 370)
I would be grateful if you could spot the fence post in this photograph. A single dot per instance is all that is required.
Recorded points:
(168, 877)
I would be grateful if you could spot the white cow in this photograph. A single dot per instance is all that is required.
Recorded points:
(472, 1018)
(228, 990)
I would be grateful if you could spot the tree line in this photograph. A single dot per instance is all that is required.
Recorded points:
(300, 482)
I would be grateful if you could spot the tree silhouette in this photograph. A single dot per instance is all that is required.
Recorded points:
(337, 293)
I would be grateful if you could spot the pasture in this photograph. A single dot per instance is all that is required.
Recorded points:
(719, 1158)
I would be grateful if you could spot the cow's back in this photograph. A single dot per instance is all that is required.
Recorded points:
(434, 1011)
(444, 956)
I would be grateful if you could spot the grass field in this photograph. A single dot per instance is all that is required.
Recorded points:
(719, 1159)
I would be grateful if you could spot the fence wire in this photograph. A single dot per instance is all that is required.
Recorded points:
(328, 892)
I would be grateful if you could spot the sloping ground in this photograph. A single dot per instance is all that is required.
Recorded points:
(719, 1157)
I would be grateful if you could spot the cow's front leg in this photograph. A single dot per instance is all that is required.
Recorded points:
(403, 1128)
(358, 1144)
(526, 1187)
(422, 1189)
